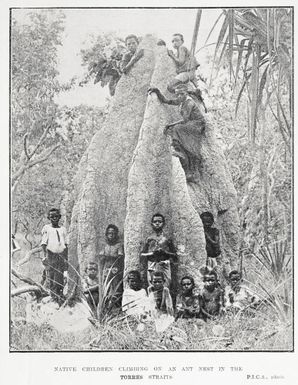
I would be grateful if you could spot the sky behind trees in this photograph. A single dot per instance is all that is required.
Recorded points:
(81, 23)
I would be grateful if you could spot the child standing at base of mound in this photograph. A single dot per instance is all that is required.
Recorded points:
(188, 301)
(159, 296)
(211, 296)
(159, 251)
(134, 299)
(54, 244)
(212, 239)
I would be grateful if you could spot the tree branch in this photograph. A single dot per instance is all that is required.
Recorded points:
(24, 289)
(39, 159)
(29, 281)
(26, 146)
(41, 140)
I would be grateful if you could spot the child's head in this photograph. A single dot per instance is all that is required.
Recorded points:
(54, 216)
(210, 280)
(181, 92)
(177, 40)
(235, 278)
(207, 219)
(157, 222)
(158, 280)
(134, 280)
(187, 284)
(112, 233)
(92, 270)
(131, 42)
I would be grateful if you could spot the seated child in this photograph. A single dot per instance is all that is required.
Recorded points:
(159, 250)
(133, 53)
(211, 296)
(134, 299)
(188, 302)
(237, 296)
(159, 295)
(185, 62)
(212, 239)
(90, 285)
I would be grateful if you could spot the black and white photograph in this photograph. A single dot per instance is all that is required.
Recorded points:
(151, 179)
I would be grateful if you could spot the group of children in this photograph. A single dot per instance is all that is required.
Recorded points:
(207, 301)
(109, 71)
(154, 291)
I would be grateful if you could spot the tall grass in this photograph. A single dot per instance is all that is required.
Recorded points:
(267, 328)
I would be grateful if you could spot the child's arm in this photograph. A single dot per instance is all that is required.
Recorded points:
(44, 241)
(126, 66)
(215, 239)
(44, 249)
(180, 60)
(91, 289)
(162, 98)
(145, 252)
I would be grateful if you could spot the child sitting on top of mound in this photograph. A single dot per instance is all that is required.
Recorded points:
(186, 64)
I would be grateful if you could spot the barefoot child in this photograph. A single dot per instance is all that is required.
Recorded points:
(54, 244)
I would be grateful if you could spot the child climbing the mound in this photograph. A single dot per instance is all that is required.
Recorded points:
(134, 299)
(90, 285)
(186, 133)
(133, 55)
(159, 251)
(54, 244)
(159, 296)
(186, 63)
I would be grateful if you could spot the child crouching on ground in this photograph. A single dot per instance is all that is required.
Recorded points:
(237, 296)
(211, 296)
(159, 295)
(134, 299)
(90, 285)
(188, 301)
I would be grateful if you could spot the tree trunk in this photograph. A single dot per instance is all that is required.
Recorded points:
(128, 173)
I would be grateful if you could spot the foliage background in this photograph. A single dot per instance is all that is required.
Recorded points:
(48, 139)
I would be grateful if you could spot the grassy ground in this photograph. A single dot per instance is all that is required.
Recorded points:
(262, 331)
(269, 328)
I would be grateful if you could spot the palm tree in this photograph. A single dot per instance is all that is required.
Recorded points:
(258, 41)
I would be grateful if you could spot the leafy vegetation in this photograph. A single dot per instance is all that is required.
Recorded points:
(251, 94)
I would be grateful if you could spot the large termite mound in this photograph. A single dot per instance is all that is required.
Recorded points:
(128, 173)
